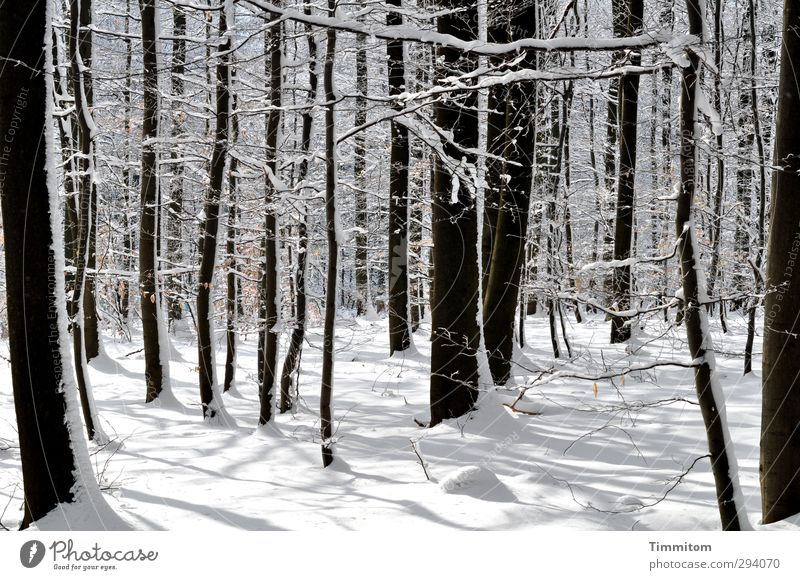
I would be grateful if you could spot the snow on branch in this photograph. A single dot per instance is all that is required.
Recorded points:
(412, 34)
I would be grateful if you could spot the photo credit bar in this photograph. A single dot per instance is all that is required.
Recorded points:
(402, 553)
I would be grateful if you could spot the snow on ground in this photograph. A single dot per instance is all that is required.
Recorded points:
(616, 459)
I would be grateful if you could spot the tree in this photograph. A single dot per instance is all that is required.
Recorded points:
(82, 305)
(780, 444)
(623, 224)
(44, 395)
(83, 298)
(291, 363)
(709, 390)
(511, 227)
(454, 304)
(155, 377)
(209, 395)
(172, 282)
(399, 313)
(360, 174)
(332, 275)
(268, 338)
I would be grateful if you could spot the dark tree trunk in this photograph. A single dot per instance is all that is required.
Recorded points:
(399, 313)
(780, 438)
(326, 389)
(454, 304)
(695, 315)
(232, 276)
(360, 170)
(762, 197)
(498, 31)
(208, 392)
(33, 293)
(619, 18)
(269, 290)
(148, 286)
(84, 328)
(291, 364)
(172, 283)
(127, 237)
(626, 199)
(719, 190)
(508, 251)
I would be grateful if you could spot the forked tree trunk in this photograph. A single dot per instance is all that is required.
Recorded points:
(83, 330)
(455, 326)
(508, 248)
(780, 445)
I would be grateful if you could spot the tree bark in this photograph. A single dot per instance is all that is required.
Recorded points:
(326, 389)
(232, 277)
(360, 171)
(34, 293)
(269, 290)
(172, 283)
(626, 198)
(208, 392)
(84, 327)
(780, 438)
(148, 284)
(455, 326)
(291, 364)
(508, 248)
(695, 314)
(399, 313)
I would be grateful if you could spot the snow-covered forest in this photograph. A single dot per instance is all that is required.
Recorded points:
(358, 265)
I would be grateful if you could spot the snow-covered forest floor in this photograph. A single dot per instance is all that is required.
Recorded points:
(618, 457)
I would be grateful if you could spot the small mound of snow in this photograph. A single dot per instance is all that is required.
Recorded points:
(478, 482)
(466, 477)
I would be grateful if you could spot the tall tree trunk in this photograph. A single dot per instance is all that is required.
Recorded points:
(709, 390)
(719, 190)
(455, 325)
(508, 249)
(232, 277)
(780, 440)
(291, 364)
(172, 283)
(269, 289)
(360, 170)
(209, 396)
(326, 388)
(148, 283)
(399, 313)
(84, 328)
(626, 198)
(84, 294)
(34, 292)
(619, 17)
(744, 173)
(127, 238)
(762, 197)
